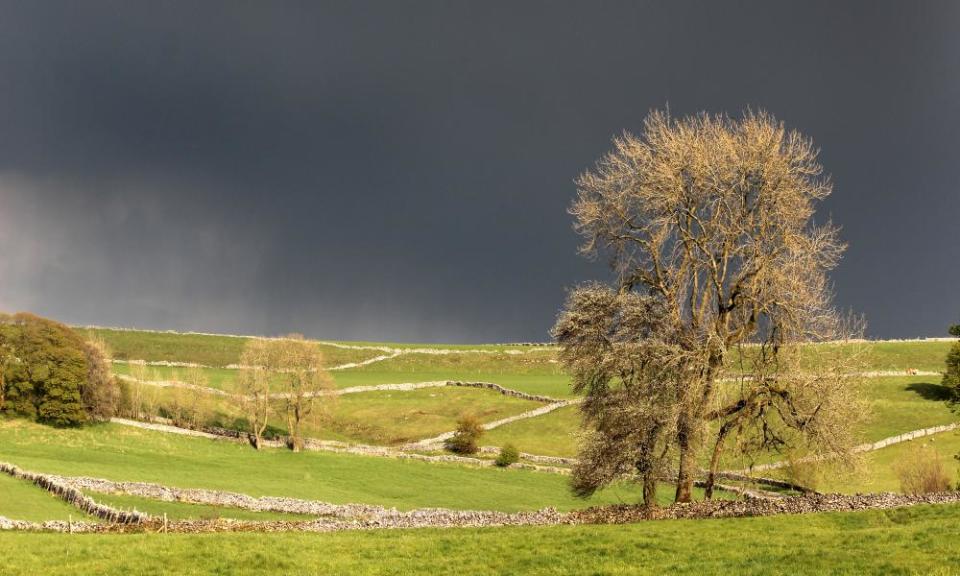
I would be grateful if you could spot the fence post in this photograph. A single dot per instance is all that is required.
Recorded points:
(164, 522)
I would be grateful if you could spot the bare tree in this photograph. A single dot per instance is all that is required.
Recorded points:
(101, 393)
(708, 222)
(138, 372)
(197, 402)
(254, 385)
(303, 379)
(288, 369)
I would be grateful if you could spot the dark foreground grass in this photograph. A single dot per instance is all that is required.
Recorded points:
(921, 540)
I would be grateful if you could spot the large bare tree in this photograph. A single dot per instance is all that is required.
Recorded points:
(721, 279)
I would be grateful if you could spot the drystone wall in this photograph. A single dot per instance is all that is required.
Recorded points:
(73, 496)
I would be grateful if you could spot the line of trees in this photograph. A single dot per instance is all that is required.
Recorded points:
(721, 275)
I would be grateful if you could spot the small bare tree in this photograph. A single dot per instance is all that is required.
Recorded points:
(254, 385)
(196, 404)
(101, 393)
(708, 220)
(138, 372)
(303, 379)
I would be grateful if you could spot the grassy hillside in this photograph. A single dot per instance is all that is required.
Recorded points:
(197, 348)
(122, 453)
(553, 434)
(920, 540)
(897, 404)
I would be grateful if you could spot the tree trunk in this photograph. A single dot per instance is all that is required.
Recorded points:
(688, 463)
(295, 442)
(650, 489)
(715, 460)
(685, 477)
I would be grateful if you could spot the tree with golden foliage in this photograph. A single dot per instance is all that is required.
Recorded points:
(721, 281)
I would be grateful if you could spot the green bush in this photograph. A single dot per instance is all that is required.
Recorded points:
(508, 455)
(44, 370)
(467, 437)
(48, 373)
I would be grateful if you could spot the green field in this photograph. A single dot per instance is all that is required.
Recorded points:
(920, 540)
(407, 416)
(908, 541)
(122, 453)
(197, 348)
(546, 384)
(378, 417)
(22, 500)
(878, 469)
(553, 434)
(897, 404)
(187, 511)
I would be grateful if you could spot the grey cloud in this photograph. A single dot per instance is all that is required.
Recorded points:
(387, 170)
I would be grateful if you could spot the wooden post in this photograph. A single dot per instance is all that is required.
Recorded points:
(69, 523)
(164, 522)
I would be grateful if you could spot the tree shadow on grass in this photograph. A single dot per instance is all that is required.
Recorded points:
(936, 392)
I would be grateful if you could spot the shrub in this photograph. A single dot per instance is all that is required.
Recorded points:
(465, 440)
(508, 455)
(922, 471)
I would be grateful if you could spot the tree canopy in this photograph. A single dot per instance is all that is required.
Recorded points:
(721, 275)
(50, 374)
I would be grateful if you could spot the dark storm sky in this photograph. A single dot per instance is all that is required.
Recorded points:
(401, 170)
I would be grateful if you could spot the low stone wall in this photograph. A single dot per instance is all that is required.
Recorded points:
(621, 514)
(504, 391)
(73, 496)
(363, 515)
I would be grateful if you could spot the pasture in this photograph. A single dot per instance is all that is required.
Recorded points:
(895, 541)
